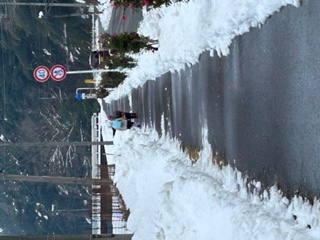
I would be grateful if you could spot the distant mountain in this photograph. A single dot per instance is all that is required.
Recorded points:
(43, 112)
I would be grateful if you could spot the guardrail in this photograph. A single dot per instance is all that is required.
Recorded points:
(95, 150)
(96, 172)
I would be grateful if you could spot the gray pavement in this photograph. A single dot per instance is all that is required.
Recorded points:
(272, 104)
(261, 103)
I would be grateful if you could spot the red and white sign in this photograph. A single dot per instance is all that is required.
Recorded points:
(58, 72)
(41, 73)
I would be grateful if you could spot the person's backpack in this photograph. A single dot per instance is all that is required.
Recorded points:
(118, 124)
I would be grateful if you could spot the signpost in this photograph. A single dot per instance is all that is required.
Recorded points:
(58, 72)
(41, 73)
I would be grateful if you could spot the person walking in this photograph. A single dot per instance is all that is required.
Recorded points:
(127, 115)
(122, 123)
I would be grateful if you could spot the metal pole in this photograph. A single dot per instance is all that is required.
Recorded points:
(79, 89)
(93, 71)
(52, 144)
(54, 179)
(69, 237)
(46, 4)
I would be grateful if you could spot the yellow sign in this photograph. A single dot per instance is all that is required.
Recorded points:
(89, 81)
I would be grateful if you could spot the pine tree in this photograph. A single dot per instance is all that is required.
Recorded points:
(128, 43)
(120, 61)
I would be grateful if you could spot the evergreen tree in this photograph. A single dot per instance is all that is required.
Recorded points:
(128, 43)
(120, 61)
(112, 79)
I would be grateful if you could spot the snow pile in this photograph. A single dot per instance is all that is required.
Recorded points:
(171, 198)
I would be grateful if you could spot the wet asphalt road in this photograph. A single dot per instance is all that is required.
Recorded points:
(272, 100)
(261, 103)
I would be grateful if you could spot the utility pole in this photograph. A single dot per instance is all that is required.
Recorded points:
(56, 180)
(53, 144)
(96, 71)
(69, 237)
(46, 4)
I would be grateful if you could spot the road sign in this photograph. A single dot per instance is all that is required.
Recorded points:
(58, 72)
(41, 73)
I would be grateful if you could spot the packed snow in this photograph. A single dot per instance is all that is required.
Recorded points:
(168, 195)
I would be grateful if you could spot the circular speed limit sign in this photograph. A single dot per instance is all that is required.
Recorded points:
(58, 72)
(41, 73)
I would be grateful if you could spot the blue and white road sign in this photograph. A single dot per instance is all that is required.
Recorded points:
(41, 73)
(58, 72)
